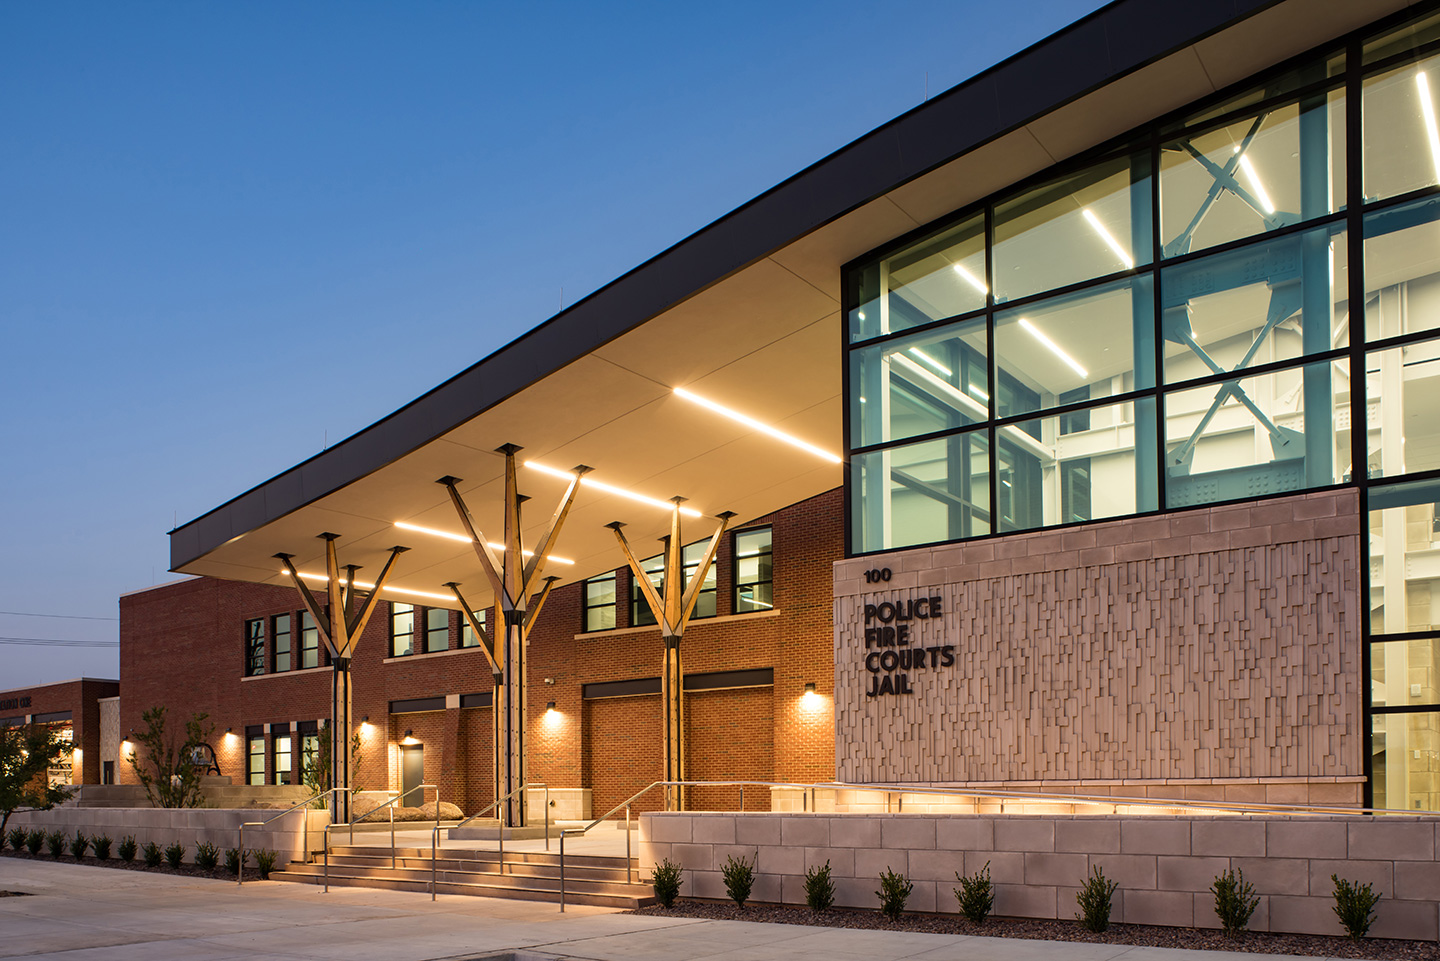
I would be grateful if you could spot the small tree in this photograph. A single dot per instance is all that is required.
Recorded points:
(167, 770)
(26, 756)
(315, 765)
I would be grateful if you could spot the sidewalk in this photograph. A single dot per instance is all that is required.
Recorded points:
(82, 913)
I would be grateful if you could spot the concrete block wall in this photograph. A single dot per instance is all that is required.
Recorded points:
(190, 827)
(1164, 865)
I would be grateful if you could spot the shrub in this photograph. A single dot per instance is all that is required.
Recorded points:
(819, 888)
(1235, 901)
(265, 862)
(127, 848)
(234, 857)
(175, 854)
(17, 837)
(1354, 906)
(152, 854)
(1095, 901)
(739, 876)
(975, 895)
(207, 855)
(34, 841)
(894, 892)
(79, 844)
(666, 880)
(101, 844)
(55, 843)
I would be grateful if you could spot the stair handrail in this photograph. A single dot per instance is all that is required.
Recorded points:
(305, 835)
(500, 867)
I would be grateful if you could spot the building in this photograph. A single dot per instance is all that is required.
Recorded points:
(1057, 378)
(85, 711)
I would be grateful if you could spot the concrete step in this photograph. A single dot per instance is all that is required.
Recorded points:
(600, 894)
(489, 867)
(475, 854)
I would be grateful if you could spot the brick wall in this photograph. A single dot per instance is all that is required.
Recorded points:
(81, 697)
(1201, 647)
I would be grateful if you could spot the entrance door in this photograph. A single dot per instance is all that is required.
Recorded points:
(412, 774)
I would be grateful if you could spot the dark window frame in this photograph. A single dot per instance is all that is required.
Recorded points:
(255, 647)
(398, 610)
(737, 584)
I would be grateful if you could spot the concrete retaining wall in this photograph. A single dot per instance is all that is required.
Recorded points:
(1164, 865)
(188, 826)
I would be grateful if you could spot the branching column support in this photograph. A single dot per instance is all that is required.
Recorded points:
(340, 625)
(672, 612)
(512, 578)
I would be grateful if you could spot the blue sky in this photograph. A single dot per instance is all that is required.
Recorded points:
(232, 233)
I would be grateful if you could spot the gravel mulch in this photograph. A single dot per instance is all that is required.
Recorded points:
(1253, 942)
(184, 870)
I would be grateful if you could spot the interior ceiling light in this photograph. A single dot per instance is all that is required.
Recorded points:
(1432, 133)
(941, 368)
(367, 587)
(756, 425)
(1255, 183)
(1110, 241)
(1054, 347)
(588, 481)
(979, 393)
(466, 540)
(975, 282)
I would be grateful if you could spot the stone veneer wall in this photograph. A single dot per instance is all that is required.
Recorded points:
(1213, 644)
(1164, 865)
(189, 826)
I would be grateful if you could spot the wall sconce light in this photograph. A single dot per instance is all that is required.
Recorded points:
(810, 700)
(550, 706)
(365, 719)
(810, 688)
(409, 738)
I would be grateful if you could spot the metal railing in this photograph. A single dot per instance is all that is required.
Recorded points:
(304, 831)
(500, 865)
(390, 806)
(894, 795)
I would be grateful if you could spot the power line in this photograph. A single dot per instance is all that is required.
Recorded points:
(68, 617)
(56, 642)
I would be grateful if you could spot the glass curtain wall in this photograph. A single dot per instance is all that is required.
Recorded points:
(1205, 314)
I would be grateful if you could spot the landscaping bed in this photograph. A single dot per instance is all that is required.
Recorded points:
(1254, 942)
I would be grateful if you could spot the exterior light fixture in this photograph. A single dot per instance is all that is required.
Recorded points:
(467, 540)
(751, 422)
(1054, 347)
(810, 688)
(549, 706)
(364, 586)
(974, 281)
(607, 488)
(409, 738)
(1110, 241)
(810, 700)
(1432, 132)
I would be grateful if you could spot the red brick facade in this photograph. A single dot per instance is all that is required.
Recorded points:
(80, 699)
(183, 646)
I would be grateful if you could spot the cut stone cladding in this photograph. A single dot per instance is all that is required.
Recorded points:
(1164, 865)
(1207, 647)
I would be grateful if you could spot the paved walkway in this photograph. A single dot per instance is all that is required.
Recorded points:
(82, 913)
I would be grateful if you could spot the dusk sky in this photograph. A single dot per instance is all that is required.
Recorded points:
(233, 233)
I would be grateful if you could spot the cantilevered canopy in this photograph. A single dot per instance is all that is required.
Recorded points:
(745, 313)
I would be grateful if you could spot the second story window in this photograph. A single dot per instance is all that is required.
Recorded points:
(402, 629)
(282, 642)
(640, 613)
(600, 603)
(754, 571)
(437, 629)
(309, 641)
(467, 633)
(254, 647)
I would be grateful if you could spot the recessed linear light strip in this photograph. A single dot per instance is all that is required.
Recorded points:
(1054, 347)
(588, 481)
(466, 540)
(1432, 132)
(1110, 241)
(366, 587)
(941, 368)
(974, 281)
(756, 425)
(1255, 183)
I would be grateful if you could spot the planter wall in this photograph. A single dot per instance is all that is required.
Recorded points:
(188, 826)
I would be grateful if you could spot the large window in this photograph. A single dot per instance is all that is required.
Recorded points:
(402, 629)
(255, 759)
(254, 647)
(309, 641)
(437, 629)
(754, 571)
(654, 567)
(1240, 300)
(467, 633)
(600, 603)
(281, 633)
(283, 754)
